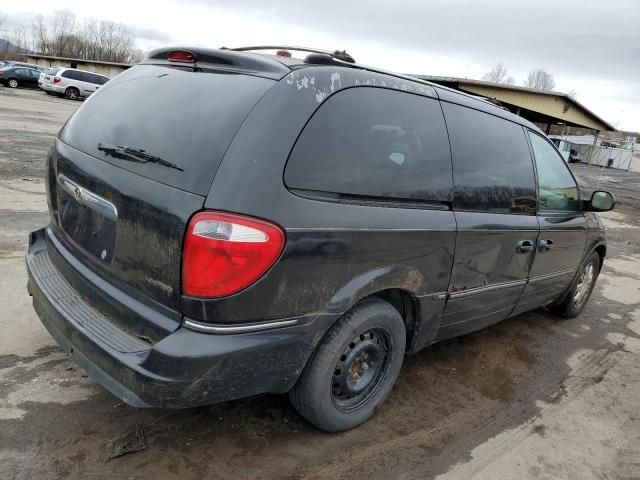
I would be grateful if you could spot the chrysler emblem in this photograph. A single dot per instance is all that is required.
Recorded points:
(77, 193)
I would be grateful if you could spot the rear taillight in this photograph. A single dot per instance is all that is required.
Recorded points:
(57, 79)
(225, 253)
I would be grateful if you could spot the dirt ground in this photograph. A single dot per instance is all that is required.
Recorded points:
(532, 397)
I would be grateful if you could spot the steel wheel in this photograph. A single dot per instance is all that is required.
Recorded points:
(353, 368)
(13, 83)
(583, 287)
(360, 370)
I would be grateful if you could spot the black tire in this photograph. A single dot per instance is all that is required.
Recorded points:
(369, 343)
(572, 304)
(72, 93)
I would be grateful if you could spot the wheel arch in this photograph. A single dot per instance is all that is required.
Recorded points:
(407, 305)
(400, 286)
(601, 250)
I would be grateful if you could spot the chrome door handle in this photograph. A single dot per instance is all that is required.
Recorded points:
(524, 246)
(545, 245)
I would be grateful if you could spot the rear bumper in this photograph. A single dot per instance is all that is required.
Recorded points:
(50, 87)
(185, 368)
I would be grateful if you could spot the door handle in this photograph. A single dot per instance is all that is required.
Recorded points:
(524, 246)
(545, 245)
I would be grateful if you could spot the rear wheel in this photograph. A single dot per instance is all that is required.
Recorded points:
(13, 83)
(577, 297)
(72, 93)
(353, 369)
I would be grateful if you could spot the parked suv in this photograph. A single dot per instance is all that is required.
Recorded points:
(226, 223)
(72, 83)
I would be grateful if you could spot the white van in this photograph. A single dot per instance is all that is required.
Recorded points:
(72, 83)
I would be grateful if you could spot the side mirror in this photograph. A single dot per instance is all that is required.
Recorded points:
(600, 202)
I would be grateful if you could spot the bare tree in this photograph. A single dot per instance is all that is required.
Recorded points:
(540, 80)
(499, 74)
(20, 39)
(63, 36)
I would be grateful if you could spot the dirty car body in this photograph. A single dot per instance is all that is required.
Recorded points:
(108, 275)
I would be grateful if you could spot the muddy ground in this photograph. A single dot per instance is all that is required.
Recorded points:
(532, 397)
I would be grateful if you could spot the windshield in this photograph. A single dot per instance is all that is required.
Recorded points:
(186, 118)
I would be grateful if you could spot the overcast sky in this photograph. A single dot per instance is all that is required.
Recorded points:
(592, 47)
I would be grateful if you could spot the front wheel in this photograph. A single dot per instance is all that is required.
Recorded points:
(353, 369)
(576, 299)
(13, 83)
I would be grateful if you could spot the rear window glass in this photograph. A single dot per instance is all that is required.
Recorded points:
(374, 142)
(183, 117)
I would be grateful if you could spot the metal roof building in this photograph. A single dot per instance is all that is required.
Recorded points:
(540, 107)
(108, 69)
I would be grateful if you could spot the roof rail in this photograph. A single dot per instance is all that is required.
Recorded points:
(337, 54)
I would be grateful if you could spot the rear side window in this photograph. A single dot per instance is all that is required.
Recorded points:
(71, 74)
(374, 142)
(492, 165)
(557, 189)
(184, 117)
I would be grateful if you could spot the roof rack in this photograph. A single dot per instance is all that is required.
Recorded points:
(335, 55)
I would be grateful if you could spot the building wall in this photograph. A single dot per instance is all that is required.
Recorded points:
(106, 70)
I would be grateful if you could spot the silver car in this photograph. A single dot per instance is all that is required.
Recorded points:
(71, 83)
(50, 72)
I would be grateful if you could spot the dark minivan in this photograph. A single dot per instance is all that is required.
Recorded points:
(226, 223)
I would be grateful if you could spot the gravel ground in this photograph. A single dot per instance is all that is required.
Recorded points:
(531, 397)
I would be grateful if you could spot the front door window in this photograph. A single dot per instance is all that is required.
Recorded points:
(557, 190)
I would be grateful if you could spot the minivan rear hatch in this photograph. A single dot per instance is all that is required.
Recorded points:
(134, 163)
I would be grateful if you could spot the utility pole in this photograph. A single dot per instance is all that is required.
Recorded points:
(593, 146)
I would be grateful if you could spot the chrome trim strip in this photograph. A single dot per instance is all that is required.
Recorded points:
(383, 230)
(552, 275)
(87, 198)
(488, 288)
(208, 328)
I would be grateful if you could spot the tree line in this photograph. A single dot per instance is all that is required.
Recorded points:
(537, 78)
(64, 35)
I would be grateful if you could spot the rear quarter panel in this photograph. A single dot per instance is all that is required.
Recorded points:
(336, 253)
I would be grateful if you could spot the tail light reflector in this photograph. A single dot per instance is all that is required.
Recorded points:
(225, 253)
(57, 79)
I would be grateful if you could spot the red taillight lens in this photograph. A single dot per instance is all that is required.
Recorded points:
(225, 253)
(57, 79)
(181, 56)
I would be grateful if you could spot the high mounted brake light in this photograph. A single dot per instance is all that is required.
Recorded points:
(183, 56)
(225, 253)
